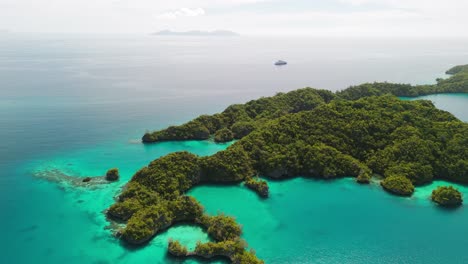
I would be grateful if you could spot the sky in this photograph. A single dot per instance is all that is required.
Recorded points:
(433, 18)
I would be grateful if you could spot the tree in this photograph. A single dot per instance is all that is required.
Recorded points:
(447, 196)
(399, 185)
(176, 249)
(112, 174)
(223, 135)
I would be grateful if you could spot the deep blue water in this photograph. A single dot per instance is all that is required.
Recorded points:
(79, 104)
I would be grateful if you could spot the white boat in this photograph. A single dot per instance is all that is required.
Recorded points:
(281, 62)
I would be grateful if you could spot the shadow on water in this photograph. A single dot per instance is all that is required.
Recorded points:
(133, 247)
(28, 229)
(168, 258)
(447, 209)
(218, 184)
(313, 178)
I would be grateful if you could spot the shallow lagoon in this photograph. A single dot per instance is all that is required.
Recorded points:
(339, 221)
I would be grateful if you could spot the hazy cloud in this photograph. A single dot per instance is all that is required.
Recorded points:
(182, 12)
(280, 17)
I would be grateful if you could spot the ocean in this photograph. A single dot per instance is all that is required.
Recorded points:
(79, 104)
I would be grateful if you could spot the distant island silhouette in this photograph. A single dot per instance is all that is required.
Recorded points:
(218, 33)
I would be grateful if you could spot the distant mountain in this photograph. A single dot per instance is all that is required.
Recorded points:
(220, 33)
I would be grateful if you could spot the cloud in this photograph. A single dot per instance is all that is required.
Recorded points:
(275, 17)
(182, 12)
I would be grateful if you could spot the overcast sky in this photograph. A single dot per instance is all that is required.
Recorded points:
(249, 17)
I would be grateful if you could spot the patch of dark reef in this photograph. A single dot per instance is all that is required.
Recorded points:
(113, 174)
(65, 180)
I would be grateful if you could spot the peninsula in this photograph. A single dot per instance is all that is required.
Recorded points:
(364, 131)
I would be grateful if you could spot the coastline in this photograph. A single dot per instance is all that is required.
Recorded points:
(169, 142)
(420, 200)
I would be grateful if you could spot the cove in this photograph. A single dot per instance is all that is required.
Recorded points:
(339, 221)
(60, 223)
(456, 103)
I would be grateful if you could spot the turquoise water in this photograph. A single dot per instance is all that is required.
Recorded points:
(339, 221)
(60, 223)
(453, 103)
(313, 221)
(80, 105)
(304, 220)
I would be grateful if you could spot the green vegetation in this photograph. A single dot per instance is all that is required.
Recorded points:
(260, 186)
(227, 166)
(457, 69)
(153, 200)
(242, 129)
(242, 119)
(223, 135)
(221, 227)
(112, 174)
(359, 132)
(176, 249)
(447, 196)
(364, 178)
(239, 120)
(192, 130)
(226, 232)
(212, 249)
(378, 89)
(399, 185)
(151, 219)
(235, 250)
(457, 83)
(246, 257)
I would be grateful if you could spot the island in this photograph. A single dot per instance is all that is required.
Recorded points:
(216, 33)
(398, 184)
(242, 119)
(363, 132)
(258, 185)
(447, 196)
(112, 174)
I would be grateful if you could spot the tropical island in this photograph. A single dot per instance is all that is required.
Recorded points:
(364, 132)
(447, 196)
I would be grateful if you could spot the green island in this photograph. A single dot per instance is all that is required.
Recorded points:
(398, 184)
(364, 132)
(112, 174)
(447, 196)
(258, 185)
